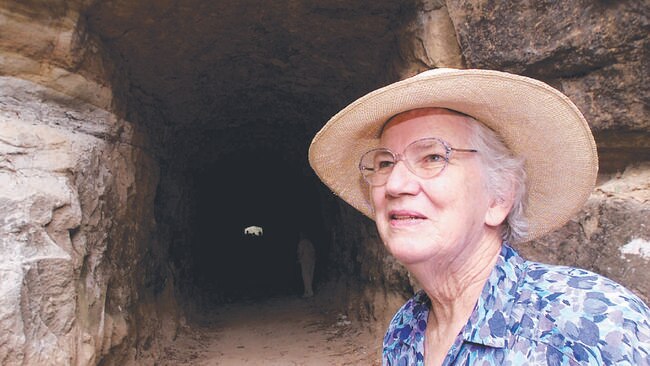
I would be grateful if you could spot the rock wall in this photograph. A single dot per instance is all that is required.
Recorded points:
(49, 43)
(82, 277)
(611, 235)
(79, 275)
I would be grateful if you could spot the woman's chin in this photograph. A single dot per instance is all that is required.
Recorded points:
(407, 253)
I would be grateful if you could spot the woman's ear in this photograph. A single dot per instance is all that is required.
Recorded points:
(498, 210)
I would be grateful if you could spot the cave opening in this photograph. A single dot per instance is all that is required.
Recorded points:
(253, 188)
(229, 96)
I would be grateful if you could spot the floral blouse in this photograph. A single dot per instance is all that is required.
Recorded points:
(534, 314)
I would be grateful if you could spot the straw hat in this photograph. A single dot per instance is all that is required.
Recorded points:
(535, 121)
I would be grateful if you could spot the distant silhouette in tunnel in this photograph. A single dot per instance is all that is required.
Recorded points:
(307, 260)
(232, 194)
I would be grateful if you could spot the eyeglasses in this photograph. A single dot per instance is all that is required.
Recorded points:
(425, 158)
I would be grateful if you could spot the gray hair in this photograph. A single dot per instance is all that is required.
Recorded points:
(505, 176)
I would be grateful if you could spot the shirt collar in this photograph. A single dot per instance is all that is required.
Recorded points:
(488, 324)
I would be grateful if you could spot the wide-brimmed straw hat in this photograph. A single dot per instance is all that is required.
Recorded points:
(534, 120)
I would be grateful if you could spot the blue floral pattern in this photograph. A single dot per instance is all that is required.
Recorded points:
(534, 314)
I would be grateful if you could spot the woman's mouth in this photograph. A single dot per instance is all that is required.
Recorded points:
(405, 217)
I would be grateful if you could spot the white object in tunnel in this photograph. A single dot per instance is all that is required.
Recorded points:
(254, 230)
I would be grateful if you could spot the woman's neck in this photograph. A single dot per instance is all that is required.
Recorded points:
(453, 279)
(453, 285)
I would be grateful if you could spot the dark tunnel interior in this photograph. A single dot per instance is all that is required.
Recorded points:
(254, 188)
(229, 95)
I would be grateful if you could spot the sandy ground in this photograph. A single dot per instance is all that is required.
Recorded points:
(276, 331)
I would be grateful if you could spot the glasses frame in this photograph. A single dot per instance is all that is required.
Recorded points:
(397, 157)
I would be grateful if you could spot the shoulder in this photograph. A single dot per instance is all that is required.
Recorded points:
(584, 290)
(417, 306)
(409, 319)
(585, 315)
(404, 339)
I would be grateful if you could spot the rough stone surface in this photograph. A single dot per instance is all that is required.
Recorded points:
(596, 51)
(76, 216)
(599, 238)
(428, 41)
(49, 43)
(228, 74)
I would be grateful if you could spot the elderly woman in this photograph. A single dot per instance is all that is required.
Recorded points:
(454, 166)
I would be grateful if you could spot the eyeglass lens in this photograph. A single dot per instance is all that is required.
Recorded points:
(424, 158)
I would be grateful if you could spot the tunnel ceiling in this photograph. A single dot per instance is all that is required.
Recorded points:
(220, 75)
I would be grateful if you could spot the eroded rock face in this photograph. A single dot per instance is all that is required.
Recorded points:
(594, 52)
(238, 74)
(76, 221)
(610, 235)
(50, 44)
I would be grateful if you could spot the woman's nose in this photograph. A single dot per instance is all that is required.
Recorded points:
(401, 180)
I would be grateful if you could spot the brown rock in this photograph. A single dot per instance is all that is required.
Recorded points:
(596, 52)
(599, 238)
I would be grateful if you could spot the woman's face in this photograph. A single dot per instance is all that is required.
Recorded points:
(439, 218)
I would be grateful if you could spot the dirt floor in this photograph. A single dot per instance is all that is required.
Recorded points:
(276, 331)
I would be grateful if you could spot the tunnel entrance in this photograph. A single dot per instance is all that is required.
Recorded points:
(253, 188)
(229, 96)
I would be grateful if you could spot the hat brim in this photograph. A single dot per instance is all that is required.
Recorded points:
(536, 121)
